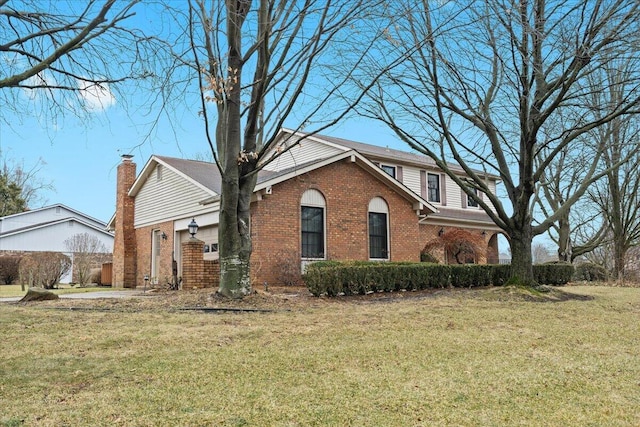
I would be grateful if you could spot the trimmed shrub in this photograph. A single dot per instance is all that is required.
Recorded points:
(500, 274)
(333, 278)
(591, 272)
(9, 268)
(553, 273)
(362, 277)
(43, 269)
(470, 275)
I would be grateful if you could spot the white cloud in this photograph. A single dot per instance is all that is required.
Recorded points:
(96, 97)
(41, 79)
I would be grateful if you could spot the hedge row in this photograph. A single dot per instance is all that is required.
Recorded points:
(334, 278)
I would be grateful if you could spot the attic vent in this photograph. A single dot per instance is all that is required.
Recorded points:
(57, 209)
(159, 173)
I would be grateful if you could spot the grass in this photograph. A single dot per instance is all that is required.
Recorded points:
(472, 357)
(7, 291)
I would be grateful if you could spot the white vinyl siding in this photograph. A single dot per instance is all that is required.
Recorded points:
(170, 197)
(40, 216)
(454, 193)
(411, 178)
(51, 238)
(302, 153)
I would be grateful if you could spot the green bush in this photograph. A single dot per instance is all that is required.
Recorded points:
(500, 274)
(591, 272)
(553, 273)
(471, 275)
(333, 278)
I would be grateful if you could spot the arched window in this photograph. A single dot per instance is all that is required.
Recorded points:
(378, 229)
(312, 214)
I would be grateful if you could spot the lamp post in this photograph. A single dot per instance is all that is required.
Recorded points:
(193, 228)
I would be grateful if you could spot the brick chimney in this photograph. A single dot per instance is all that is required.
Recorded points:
(124, 245)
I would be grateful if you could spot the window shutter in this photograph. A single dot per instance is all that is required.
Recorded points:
(399, 173)
(464, 198)
(423, 184)
(443, 190)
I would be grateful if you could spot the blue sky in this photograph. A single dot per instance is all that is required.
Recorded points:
(81, 156)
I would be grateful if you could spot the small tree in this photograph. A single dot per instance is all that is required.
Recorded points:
(9, 268)
(87, 251)
(43, 269)
(461, 245)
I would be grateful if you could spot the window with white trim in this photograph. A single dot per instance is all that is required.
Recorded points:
(378, 229)
(390, 170)
(312, 224)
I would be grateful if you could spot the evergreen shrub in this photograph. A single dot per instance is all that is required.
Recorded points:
(334, 278)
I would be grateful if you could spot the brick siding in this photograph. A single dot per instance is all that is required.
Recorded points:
(347, 189)
(124, 242)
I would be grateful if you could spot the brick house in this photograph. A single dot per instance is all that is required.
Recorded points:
(324, 198)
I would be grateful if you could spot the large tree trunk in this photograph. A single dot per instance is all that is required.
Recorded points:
(564, 238)
(521, 258)
(619, 255)
(235, 238)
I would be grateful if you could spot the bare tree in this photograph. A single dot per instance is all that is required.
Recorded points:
(540, 253)
(579, 229)
(487, 86)
(617, 196)
(26, 182)
(67, 57)
(262, 63)
(87, 251)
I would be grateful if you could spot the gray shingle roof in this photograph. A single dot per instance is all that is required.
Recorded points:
(205, 173)
(380, 152)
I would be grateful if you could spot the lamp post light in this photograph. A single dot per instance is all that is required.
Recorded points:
(193, 228)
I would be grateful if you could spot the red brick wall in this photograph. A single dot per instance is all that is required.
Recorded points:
(196, 271)
(124, 244)
(144, 239)
(211, 273)
(347, 190)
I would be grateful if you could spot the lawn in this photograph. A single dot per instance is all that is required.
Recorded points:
(482, 357)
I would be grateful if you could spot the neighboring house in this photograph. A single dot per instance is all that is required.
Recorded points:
(47, 228)
(324, 198)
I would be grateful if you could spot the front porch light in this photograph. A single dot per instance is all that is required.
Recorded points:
(193, 228)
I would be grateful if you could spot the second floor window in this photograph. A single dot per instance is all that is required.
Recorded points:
(390, 170)
(471, 202)
(433, 187)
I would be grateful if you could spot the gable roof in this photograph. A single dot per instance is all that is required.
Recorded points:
(30, 212)
(202, 174)
(268, 178)
(46, 224)
(207, 176)
(381, 153)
